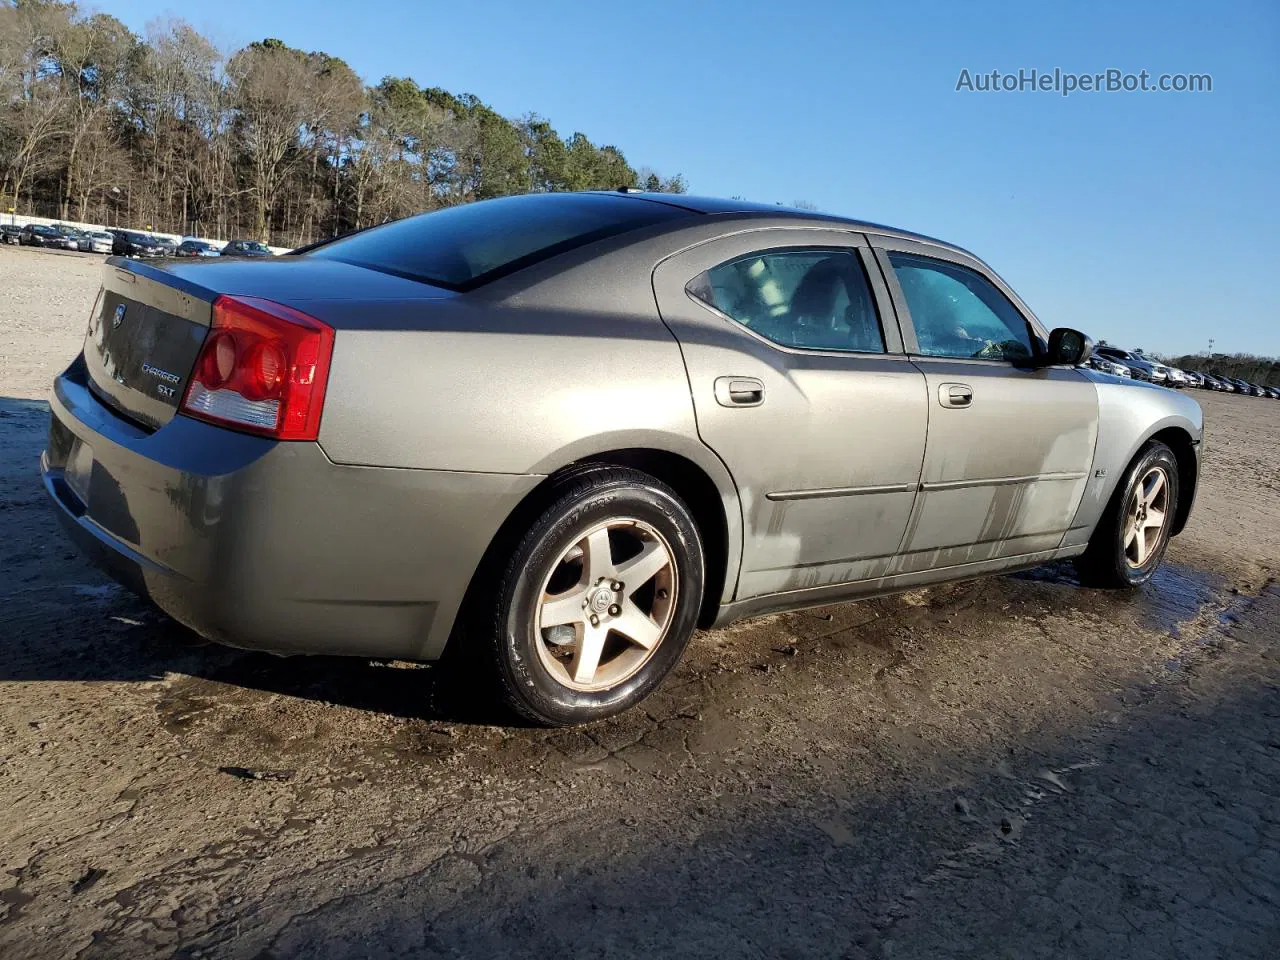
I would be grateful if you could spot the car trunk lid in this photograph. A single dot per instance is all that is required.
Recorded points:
(143, 339)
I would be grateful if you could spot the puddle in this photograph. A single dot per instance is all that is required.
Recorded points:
(15, 900)
(1227, 618)
(1174, 595)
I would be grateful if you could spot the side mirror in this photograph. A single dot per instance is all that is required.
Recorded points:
(1069, 347)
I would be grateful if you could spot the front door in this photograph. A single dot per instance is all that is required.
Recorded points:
(805, 395)
(1010, 443)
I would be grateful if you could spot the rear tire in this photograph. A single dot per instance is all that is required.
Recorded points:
(598, 600)
(1129, 542)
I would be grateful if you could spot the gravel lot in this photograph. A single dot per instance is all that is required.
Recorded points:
(1016, 767)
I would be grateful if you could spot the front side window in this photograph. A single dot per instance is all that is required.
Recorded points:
(812, 299)
(958, 313)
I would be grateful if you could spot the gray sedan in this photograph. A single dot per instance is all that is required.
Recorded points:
(545, 437)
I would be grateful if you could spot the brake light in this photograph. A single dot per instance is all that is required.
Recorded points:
(263, 368)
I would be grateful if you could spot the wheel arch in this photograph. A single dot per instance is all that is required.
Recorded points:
(705, 487)
(706, 502)
(1183, 446)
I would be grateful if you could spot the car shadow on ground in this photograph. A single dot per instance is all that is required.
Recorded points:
(63, 620)
(1072, 844)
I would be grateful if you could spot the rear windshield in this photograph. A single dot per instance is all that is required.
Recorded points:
(465, 246)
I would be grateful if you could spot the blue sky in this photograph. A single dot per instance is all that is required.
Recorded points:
(1149, 219)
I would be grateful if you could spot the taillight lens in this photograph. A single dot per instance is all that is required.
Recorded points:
(263, 368)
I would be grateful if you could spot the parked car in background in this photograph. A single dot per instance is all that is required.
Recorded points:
(1139, 368)
(1160, 373)
(1104, 365)
(38, 235)
(1211, 382)
(299, 456)
(168, 245)
(1245, 387)
(96, 241)
(246, 248)
(1272, 392)
(10, 233)
(1193, 379)
(134, 243)
(197, 248)
(70, 236)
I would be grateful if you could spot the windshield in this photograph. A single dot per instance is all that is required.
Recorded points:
(465, 246)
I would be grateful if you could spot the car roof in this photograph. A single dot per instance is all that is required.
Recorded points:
(719, 205)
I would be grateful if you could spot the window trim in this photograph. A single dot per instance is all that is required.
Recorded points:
(891, 346)
(882, 246)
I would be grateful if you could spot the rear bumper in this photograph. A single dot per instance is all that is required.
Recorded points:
(269, 545)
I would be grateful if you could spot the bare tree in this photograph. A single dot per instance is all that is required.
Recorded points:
(270, 141)
(35, 107)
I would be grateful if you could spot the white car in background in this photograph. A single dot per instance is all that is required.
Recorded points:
(1103, 365)
(95, 241)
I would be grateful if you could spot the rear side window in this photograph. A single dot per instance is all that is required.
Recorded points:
(462, 247)
(811, 299)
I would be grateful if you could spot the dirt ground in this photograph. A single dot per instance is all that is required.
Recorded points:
(1017, 767)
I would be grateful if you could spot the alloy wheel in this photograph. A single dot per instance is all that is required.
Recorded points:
(606, 605)
(1146, 517)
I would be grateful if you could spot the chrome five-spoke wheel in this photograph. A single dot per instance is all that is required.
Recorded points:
(1129, 541)
(1146, 516)
(606, 604)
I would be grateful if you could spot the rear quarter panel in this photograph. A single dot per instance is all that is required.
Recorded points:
(553, 365)
(502, 388)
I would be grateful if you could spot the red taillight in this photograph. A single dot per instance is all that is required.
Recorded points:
(262, 368)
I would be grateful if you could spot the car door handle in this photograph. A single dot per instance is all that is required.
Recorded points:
(739, 392)
(955, 394)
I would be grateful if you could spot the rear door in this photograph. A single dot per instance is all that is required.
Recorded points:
(1010, 443)
(805, 395)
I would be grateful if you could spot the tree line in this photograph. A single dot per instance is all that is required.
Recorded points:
(273, 143)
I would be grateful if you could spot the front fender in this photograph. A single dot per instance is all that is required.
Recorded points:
(1129, 415)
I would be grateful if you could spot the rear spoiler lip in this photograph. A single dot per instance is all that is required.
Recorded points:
(131, 268)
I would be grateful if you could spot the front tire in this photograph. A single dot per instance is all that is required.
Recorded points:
(1129, 542)
(598, 600)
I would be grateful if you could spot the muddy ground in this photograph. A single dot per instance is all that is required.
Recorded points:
(1016, 767)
